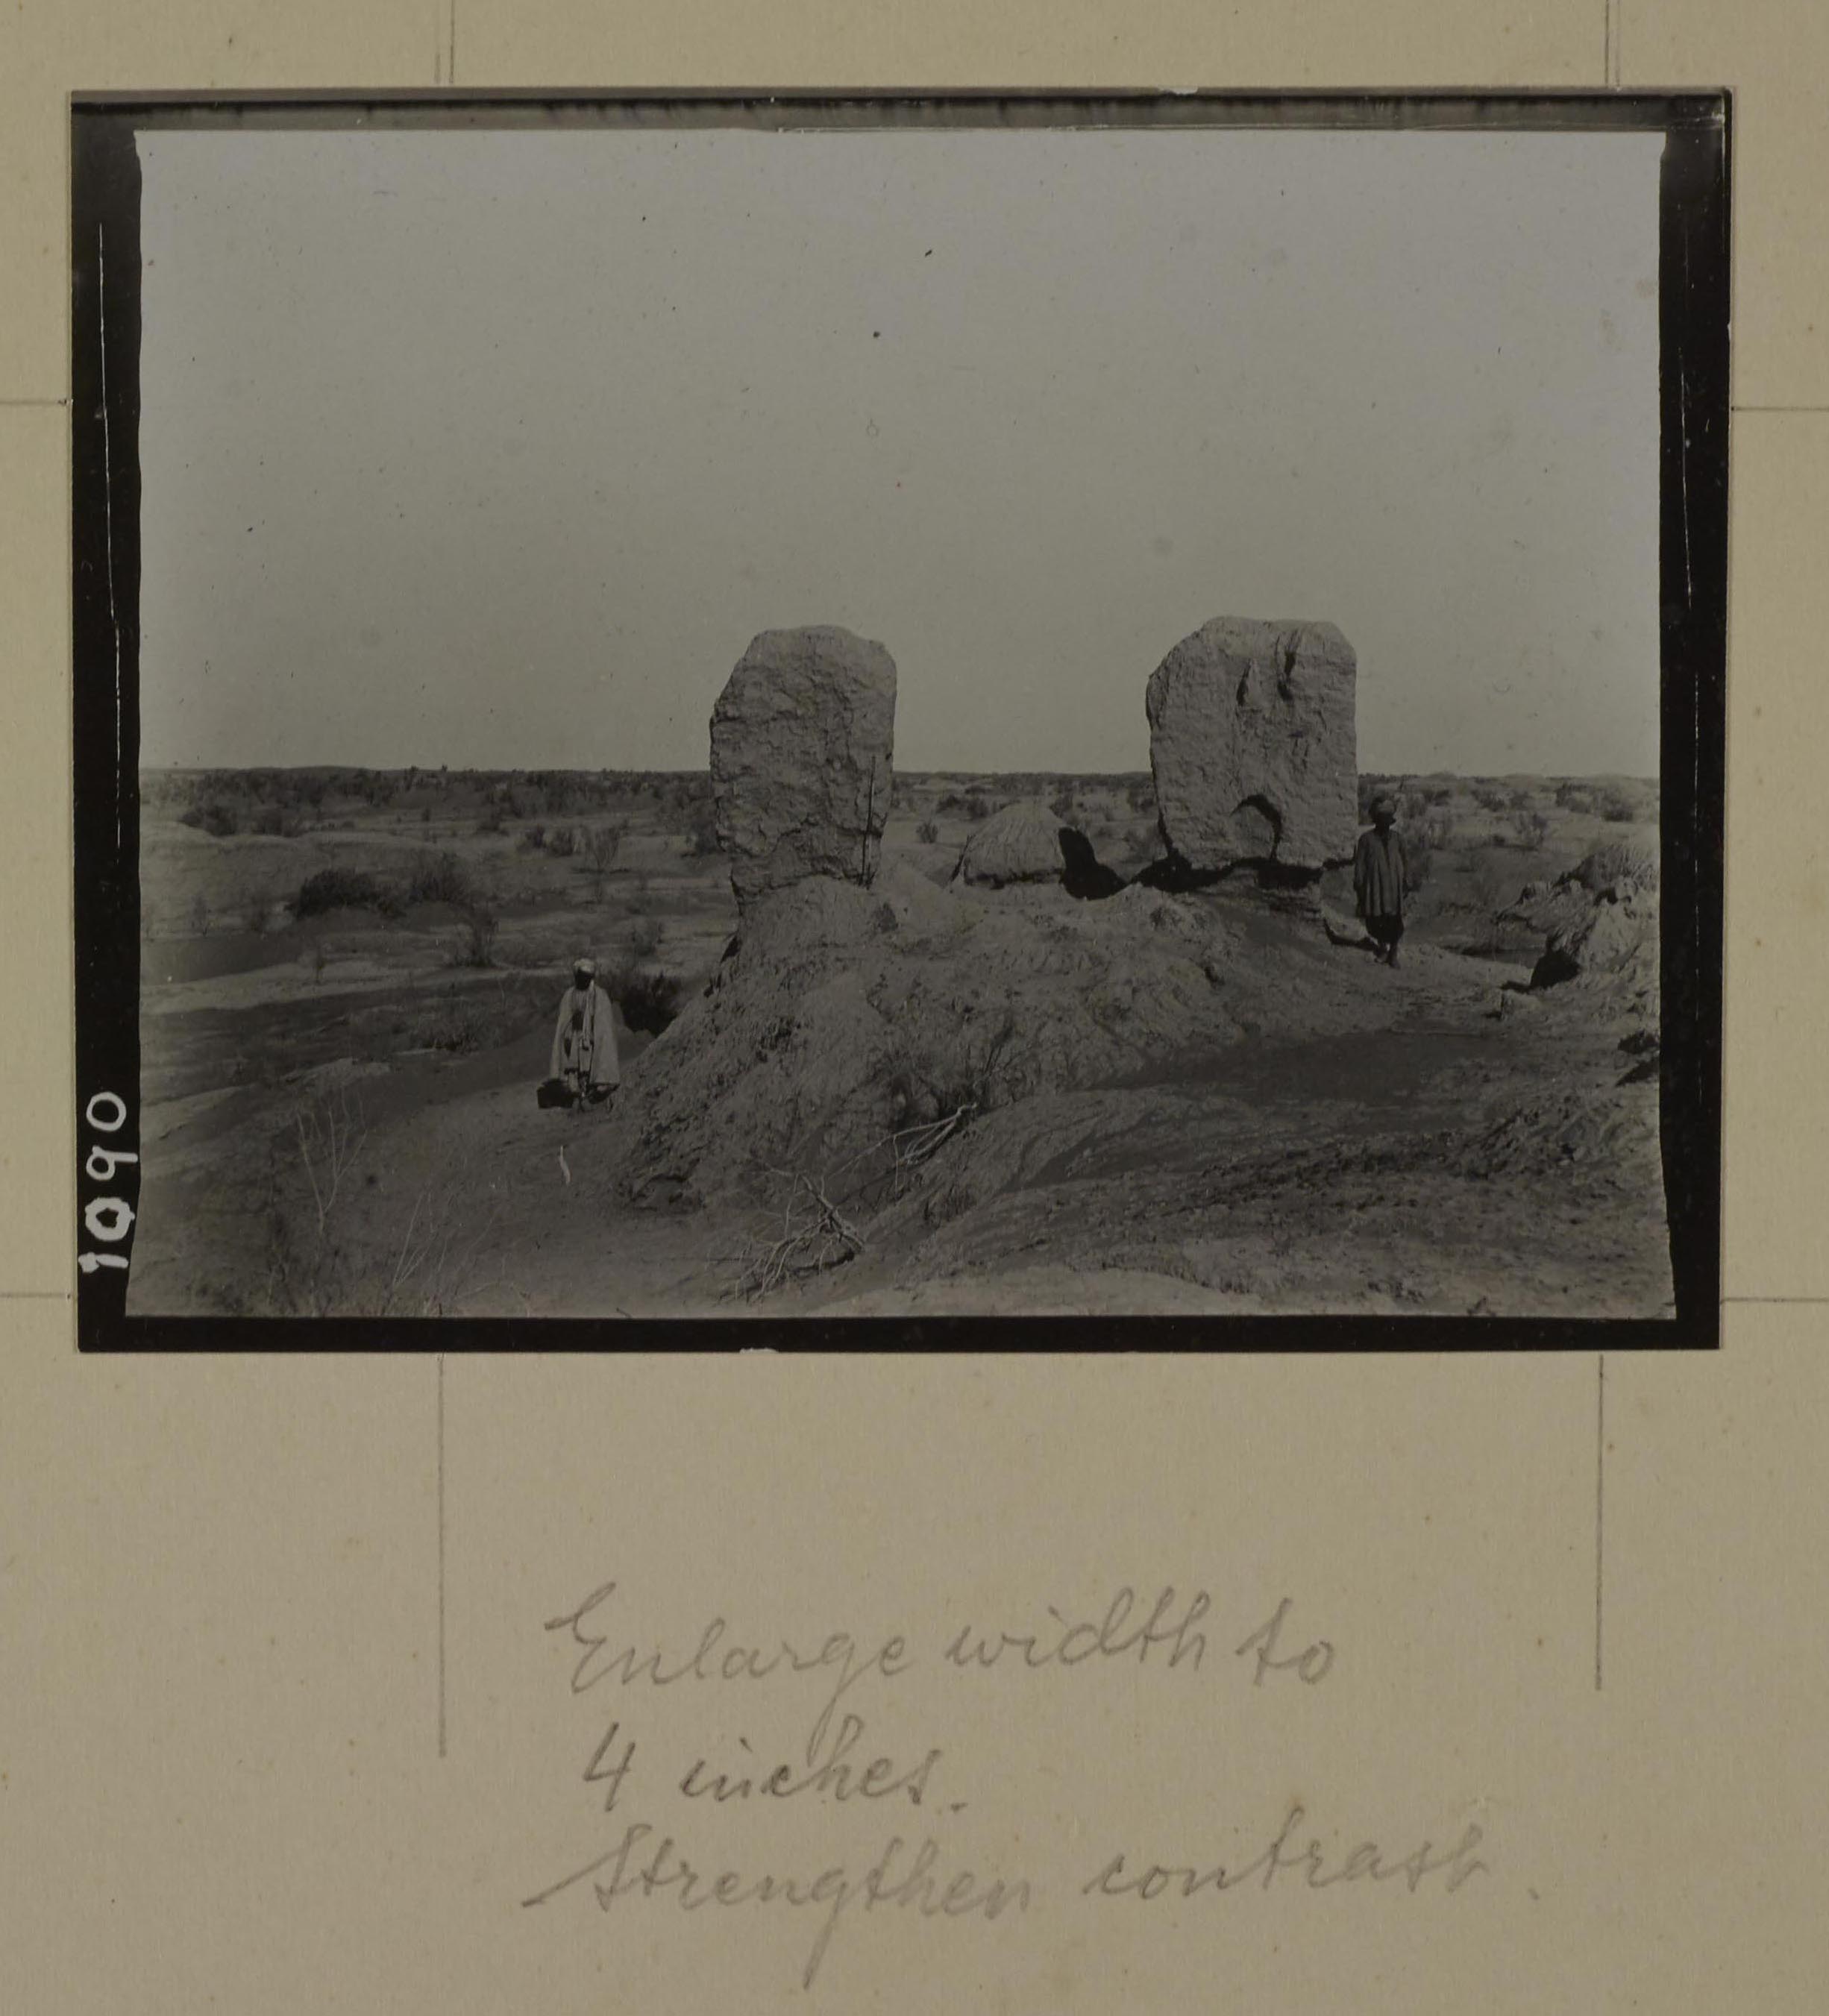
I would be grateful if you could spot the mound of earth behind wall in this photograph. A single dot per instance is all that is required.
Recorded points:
(845, 1015)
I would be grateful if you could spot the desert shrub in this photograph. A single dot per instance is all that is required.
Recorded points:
(602, 845)
(1435, 833)
(949, 802)
(1489, 798)
(641, 898)
(649, 999)
(1618, 862)
(1437, 794)
(456, 1026)
(438, 878)
(212, 817)
(462, 1022)
(1413, 807)
(927, 833)
(928, 1076)
(1573, 798)
(562, 842)
(976, 807)
(701, 835)
(425, 815)
(1140, 794)
(1530, 829)
(199, 914)
(645, 936)
(1615, 807)
(491, 822)
(1494, 884)
(476, 947)
(337, 889)
(1064, 806)
(534, 839)
(268, 819)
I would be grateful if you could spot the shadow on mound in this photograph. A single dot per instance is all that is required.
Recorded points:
(1082, 873)
(1175, 877)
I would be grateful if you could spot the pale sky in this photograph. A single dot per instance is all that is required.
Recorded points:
(495, 449)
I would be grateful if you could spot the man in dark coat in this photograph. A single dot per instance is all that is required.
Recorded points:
(1381, 875)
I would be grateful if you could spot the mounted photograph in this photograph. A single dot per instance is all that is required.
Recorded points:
(899, 720)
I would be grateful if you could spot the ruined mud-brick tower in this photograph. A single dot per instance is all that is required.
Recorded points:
(1254, 746)
(803, 742)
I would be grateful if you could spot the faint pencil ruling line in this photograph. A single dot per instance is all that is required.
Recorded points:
(1778, 409)
(1613, 66)
(441, 1724)
(451, 59)
(40, 402)
(1599, 1503)
(108, 512)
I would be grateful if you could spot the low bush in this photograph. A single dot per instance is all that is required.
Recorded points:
(562, 842)
(928, 1076)
(438, 878)
(458, 1027)
(477, 948)
(462, 1023)
(701, 836)
(602, 845)
(1615, 807)
(927, 833)
(1530, 829)
(649, 999)
(645, 936)
(213, 817)
(337, 889)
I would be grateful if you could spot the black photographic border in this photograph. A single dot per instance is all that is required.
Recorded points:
(1695, 297)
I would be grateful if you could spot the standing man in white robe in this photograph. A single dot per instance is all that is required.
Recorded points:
(584, 1045)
